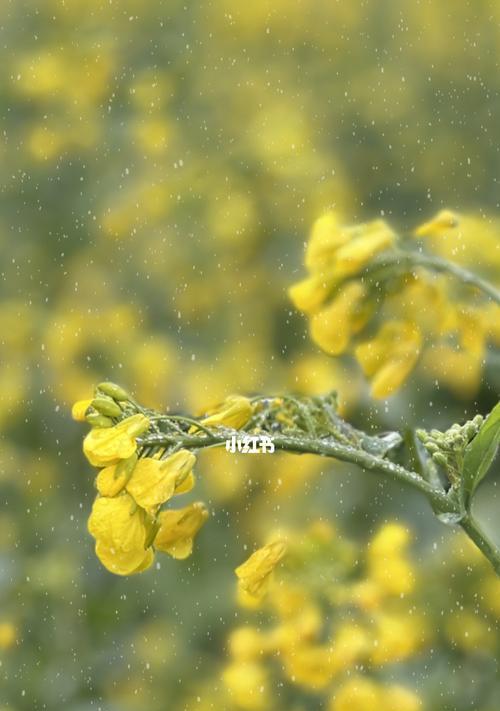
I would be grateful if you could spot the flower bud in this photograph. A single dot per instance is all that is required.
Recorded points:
(440, 458)
(106, 406)
(113, 390)
(97, 420)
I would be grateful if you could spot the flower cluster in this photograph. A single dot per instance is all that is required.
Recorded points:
(365, 295)
(337, 622)
(126, 521)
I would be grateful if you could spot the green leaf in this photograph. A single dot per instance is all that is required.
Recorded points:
(480, 453)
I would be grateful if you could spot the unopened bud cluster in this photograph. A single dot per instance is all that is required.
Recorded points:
(447, 448)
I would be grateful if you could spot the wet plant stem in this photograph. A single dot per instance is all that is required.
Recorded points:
(406, 261)
(327, 447)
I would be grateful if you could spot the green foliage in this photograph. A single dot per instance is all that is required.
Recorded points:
(479, 455)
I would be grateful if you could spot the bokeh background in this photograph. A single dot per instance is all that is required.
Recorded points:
(161, 164)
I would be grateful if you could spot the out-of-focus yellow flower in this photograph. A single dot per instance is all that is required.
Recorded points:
(398, 698)
(8, 635)
(362, 694)
(491, 595)
(396, 636)
(178, 529)
(247, 684)
(390, 357)
(392, 539)
(412, 308)
(350, 644)
(357, 694)
(112, 444)
(79, 409)
(254, 573)
(333, 326)
(458, 369)
(121, 531)
(439, 225)
(309, 294)
(153, 135)
(310, 666)
(388, 568)
(234, 412)
(247, 643)
(153, 482)
(466, 630)
(326, 236)
(366, 242)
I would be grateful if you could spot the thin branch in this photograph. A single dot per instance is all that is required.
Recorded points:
(405, 261)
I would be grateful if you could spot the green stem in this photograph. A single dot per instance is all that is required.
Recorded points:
(406, 261)
(305, 444)
(309, 445)
(487, 547)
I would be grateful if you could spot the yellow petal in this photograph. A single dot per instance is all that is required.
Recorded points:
(333, 327)
(103, 446)
(79, 409)
(122, 562)
(444, 221)
(178, 529)
(391, 356)
(234, 412)
(154, 482)
(309, 294)
(108, 484)
(121, 531)
(254, 573)
(325, 239)
(374, 238)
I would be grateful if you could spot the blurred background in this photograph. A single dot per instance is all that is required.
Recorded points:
(161, 165)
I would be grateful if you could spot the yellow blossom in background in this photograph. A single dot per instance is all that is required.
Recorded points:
(396, 318)
(8, 635)
(246, 683)
(333, 326)
(390, 357)
(254, 573)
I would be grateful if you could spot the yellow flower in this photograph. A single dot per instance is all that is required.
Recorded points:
(309, 294)
(111, 480)
(153, 482)
(397, 698)
(439, 225)
(325, 239)
(247, 643)
(333, 327)
(79, 409)
(103, 446)
(350, 645)
(374, 238)
(254, 573)
(396, 637)
(121, 531)
(388, 568)
(310, 666)
(390, 539)
(390, 357)
(467, 631)
(7, 635)
(246, 682)
(234, 412)
(357, 694)
(178, 529)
